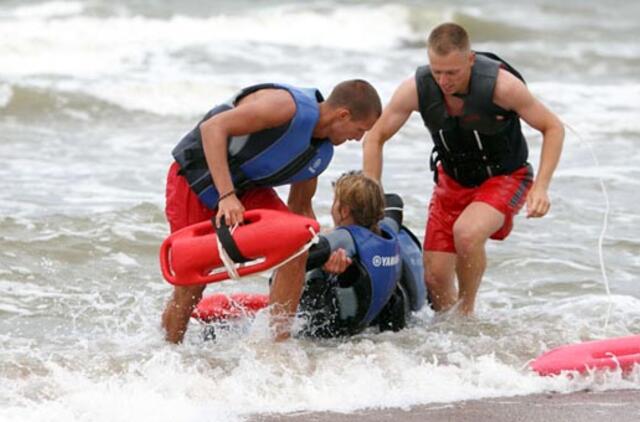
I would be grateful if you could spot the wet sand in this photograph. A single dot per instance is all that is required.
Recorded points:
(619, 406)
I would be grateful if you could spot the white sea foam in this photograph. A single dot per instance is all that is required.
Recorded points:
(82, 218)
(14, 309)
(164, 66)
(82, 45)
(51, 9)
(124, 260)
(165, 387)
(5, 94)
(598, 108)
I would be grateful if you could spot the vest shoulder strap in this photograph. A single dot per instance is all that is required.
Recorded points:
(430, 100)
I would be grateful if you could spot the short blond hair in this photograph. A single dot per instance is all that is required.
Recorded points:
(448, 37)
(363, 197)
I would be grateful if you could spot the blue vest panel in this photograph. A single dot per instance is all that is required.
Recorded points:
(380, 257)
(272, 157)
(412, 269)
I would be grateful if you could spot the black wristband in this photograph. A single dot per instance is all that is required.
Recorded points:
(226, 195)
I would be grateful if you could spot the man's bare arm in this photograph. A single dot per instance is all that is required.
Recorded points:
(300, 197)
(512, 94)
(267, 110)
(403, 102)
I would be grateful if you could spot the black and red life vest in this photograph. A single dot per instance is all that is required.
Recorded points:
(486, 140)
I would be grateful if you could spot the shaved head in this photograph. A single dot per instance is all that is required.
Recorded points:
(448, 37)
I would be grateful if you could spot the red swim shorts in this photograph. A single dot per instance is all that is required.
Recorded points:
(183, 207)
(506, 193)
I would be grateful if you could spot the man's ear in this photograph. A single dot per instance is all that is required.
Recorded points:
(343, 113)
(345, 212)
(472, 58)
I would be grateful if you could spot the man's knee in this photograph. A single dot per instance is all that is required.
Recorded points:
(437, 273)
(474, 226)
(468, 237)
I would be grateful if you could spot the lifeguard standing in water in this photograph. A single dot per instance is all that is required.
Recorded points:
(472, 104)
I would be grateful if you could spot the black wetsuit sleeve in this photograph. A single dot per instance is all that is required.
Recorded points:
(320, 252)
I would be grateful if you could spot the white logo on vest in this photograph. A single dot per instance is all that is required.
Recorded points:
(385, 261)
(314, 166)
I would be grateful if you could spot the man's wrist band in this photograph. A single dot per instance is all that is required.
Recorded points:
(226, 195)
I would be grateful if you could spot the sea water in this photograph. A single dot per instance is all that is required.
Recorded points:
(94, 95)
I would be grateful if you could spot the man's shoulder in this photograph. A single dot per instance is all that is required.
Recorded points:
(275, 97)
(507, 89)
(272, 101)
(507, 81)
(406, 95)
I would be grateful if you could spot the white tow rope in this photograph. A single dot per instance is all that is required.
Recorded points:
(605, 221)
(315, 239)
(232, 267)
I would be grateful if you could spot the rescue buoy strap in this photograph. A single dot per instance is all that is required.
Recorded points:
(227, 242)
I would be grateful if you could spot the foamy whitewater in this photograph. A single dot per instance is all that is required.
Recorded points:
(94, 95)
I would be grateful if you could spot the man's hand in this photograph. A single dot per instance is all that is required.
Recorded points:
(232, 209)
(337, 263)
(538, 203)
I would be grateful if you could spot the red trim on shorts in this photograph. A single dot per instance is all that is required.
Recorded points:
(184, 208)
(506, 193)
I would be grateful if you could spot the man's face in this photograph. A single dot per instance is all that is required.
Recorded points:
(452, 71)
(346, 128)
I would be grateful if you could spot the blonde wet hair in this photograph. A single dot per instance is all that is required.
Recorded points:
(363, 197)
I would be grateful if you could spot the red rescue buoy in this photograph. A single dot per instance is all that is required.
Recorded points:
(621, 352)
(219, 306)
(190, 256)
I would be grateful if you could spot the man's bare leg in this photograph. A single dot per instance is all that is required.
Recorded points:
(284, 295)
(439, 271)
(470, 233)
(175, 317)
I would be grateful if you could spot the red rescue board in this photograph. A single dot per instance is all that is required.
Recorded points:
(221, 307)
(621, 352)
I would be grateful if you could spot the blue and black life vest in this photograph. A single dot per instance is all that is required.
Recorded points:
(486, 140)
(378, 259)
(381, 287)
(271, 157)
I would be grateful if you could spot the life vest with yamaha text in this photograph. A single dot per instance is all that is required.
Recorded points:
(486, 140)
(379, 257)
(271, 157)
